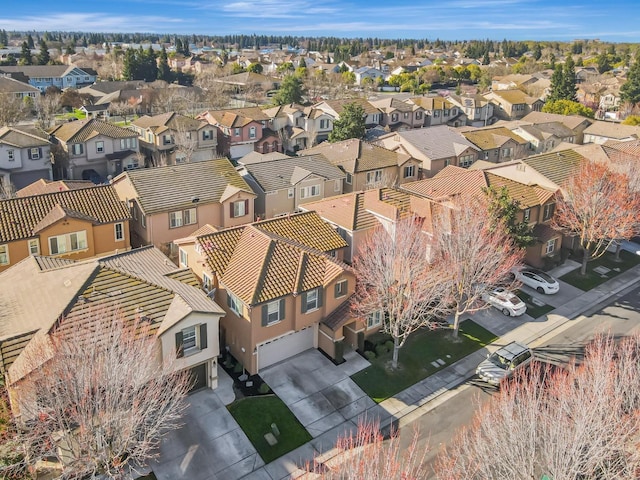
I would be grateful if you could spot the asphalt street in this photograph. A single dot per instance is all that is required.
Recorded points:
(619, 316)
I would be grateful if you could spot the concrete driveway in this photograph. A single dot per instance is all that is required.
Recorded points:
(210, 445)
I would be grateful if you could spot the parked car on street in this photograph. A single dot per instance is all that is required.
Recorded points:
(537, 279)
(505, 301)
(504, 362)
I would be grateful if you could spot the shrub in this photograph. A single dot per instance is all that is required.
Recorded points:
(381, 350)
(389, 345)
(237, 368)
(369, 355)
(228, 362)
(264, 388)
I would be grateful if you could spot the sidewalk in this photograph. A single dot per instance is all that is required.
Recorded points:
(417, 400)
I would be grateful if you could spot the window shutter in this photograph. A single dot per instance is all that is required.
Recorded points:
(179, 350)
(320, 295)
(246, 207)
(203, 336)
(29, 153)
(40, 152)
(231, 209)
(282, 309)
(303, 297)
(336, 291)
(228, 299)
(265, 315)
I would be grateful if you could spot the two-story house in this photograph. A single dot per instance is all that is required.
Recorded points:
(544, 137)
(513, 104)
(439, 111)
(172, 138)
(400, 115)
(277, 280)
(576, 123)
(373, 115)
(434, 148)
(45, 296)
(601, 132)
(73, 224)
(94, 149)
(282, 183)
(172, 201)
(497, 144)
(478, 110)
(25, 156)
(45, 76)
(15, 88)
(367, 165)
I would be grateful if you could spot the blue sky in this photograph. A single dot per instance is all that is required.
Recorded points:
(562, 20)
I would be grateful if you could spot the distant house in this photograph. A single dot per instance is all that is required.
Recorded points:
(575, 123)
(513, 104)
(15, 88)
(478, 110)
(372, 114)
(371, 73)
(60, 76)
(544, 137)
(400, 115)
(439, 111)
(601, 132)
(498, 144)
(25, 156)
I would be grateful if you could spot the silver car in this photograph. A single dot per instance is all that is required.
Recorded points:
(504, 362)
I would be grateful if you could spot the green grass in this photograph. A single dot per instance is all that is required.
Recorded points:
(79, 114)
(593, 279)
(422, 348)
(255, 416)
(533, 310)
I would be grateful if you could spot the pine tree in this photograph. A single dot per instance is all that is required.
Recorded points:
(25, 54)
(43, 57)
(556, 84)
(164, 71)
(351, 123)
(30, 41)
(569, 88)
(630, 90)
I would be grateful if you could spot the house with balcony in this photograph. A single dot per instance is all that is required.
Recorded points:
(91, 149)
(171, 138)
(25, 156)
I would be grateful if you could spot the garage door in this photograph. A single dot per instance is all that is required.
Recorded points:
(284, 347)
(198, 377)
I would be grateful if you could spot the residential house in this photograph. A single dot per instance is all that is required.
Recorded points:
(94, 149)
(575, 123)
(282, 183)
(245, 81)
(479, 111)
(318, 124)
(172, 138)
(42, 185)
(46, 296)
(434, 148)
(73, 224)
(400, 115)
(60, 76)
(497, 144)
(363, 73)
(439, 111)
(544, 137)
(277, 280)
(299, 127)
(367, 165)
(601, 131)
(373, 115)
(15, 88)
(243, 130)
(513, 104)
(25, 156)
(172, 201)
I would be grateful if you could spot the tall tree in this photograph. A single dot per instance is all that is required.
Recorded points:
(43, 56)
(397, 280)
(476, 255)
(630, 90)
(290, 91)
(598, 207)
(569, 88)
(25, 55)
(12, 109)
(164, 71)
(101, 400)
(351, 123)
(578, 423)
(503, 211)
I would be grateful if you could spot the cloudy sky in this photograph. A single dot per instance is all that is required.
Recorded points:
(562, 20)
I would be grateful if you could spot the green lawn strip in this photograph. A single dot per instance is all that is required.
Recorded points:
(255, 416)
(593, 279)
(415, 357)
(533, 310)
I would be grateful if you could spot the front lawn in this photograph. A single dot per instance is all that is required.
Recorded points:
(255, 416)
(593, 278)
(533, 310)
(422, 348)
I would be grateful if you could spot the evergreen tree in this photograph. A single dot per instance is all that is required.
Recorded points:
(43, 57)
(25, 54)
(569, 88)
(630, 90)
(556, 84)
(130, 65)
(164, 71)
(485, 58)
(70, 49)
(30, 41)
(603, 63)
(290, 91)
(537, 52)
(149, 66)
(351, 123)
(504, 210)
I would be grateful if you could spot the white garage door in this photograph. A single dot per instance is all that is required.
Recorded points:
(284, 347)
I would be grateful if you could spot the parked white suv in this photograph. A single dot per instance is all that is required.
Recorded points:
(505, 301)
(504, 362)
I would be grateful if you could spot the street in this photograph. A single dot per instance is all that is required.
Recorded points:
(620, 316)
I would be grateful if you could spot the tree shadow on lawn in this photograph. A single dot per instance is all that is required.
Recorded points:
(416, 357)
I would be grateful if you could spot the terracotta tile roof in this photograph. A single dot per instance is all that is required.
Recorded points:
(544, 232)
(450, 181)
(492, 138)
(162, 189)
(391, 104)
(20, 217)
(83, 130)
(165, 121)
(48, 186)
(526, 195)
(236, 117)
(629, 147)
(570, 121)
(340, 316)
(556, 166)
(432, 103)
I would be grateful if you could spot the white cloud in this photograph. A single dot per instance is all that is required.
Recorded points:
(92, 22)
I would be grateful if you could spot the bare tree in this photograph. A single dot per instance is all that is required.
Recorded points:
(578, 423)
(186, 140)
(97, 400)
(216, 93)
(120, 109)
(175, 99)
(46, 107)
(476, 255)
(12, 109)
(397, 279)
(598, 207)
(366, 454)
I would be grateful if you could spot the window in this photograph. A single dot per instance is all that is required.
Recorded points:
(99, 147)
(166, 139)
(273, 312)
(406, 115)
(77, 149)
(310, 191)
(507, 152)
(394, 117)
(418, 115)
(239, 208)
(548, 211)
(374, 176)
(189, 216)
(252, 132)
(311, 300)
(324, 124)
(207, 134)
(143, 220)
(340, 289)
(184, 258)
(34, 153)
(290, 193)
(447, 162)
(234, 303)
(446, 112)
(34, 246)
(436, 113)
(68, 243)
(207, 283)
(236, 132)
(11, 155)
(175, 219)
(466, 160)
(409, 171)
(4, 254)
(374, 319)
(119, 229)
(337, 185)
(526, 215)
(189, 339)
(349, 178)
(551, 246)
